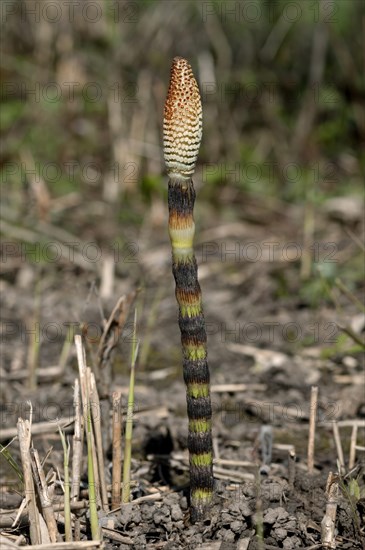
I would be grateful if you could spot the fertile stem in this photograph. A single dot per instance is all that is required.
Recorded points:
(182, 135)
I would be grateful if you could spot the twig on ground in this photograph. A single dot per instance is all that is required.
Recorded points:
(328, 524)
(107, 277)
(77, 439)
(235, 388)
(340, 456)
(92, 468)
(266, 441)
(40, 428)
(96, 420)
(312, 427)
(353, 443)
(44, 497)
(79, 545)
(66, 479)
(24, 435)
(291, 467)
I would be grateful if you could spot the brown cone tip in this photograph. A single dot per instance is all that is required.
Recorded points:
(182, 121)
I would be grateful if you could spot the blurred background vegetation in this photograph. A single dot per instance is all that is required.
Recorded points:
(83, 87)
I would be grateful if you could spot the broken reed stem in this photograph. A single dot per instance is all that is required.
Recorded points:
(67, 502)
(328, 524)
(38, 428)
(81, 545)
(91, 474)
(24, 436)
(312, 427)
(44, 498)
(266, 440)
(182, 136)
(129, 421)
(91, 457)
(96, 418)
(92, 467)
(353, 442)
(291, 467)
(77, 440)
(77, 528)
(117, 448)
(84, 373)
(340, 456)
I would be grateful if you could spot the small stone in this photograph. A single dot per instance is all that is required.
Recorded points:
(165, 510)
(274, 490)
(168, 526)
(228, 536)
(292, 543)
(176, 512)
(291, 524)
(234, 508)
(172, 498)
(147, 511)
(281, 533)
(126, 514)
(158, 517)
(225, 534)
(270, 516)
(220, 533)
(250, 490)
(282, 514)
(136, 516)
(140, 541)
(110, 522)
(245, 508)
(171, 546)
(349, 362)
(183, 503)
(236, 526)
(226, 518)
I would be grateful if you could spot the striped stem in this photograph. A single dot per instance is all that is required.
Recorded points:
(182, 135)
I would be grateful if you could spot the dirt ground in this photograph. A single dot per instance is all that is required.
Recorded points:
(271, 337)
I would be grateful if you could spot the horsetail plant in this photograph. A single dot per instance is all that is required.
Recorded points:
(182, 135)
